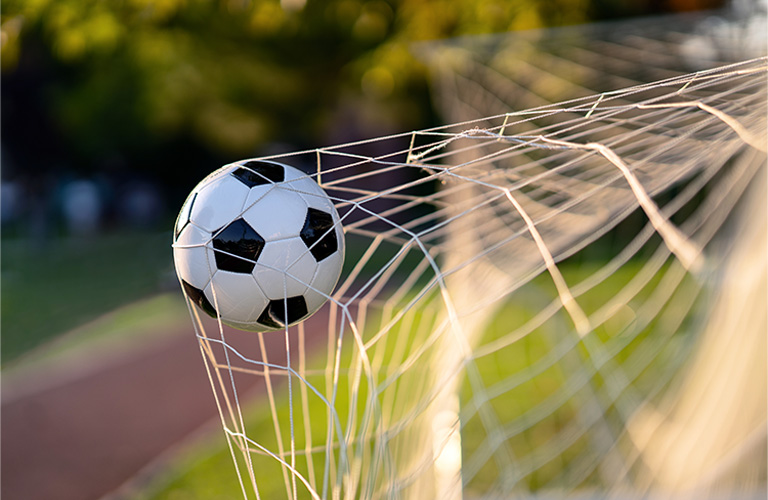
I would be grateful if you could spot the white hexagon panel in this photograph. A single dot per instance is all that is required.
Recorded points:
(259, 245)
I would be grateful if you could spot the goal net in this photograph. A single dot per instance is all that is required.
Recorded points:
(561, 294)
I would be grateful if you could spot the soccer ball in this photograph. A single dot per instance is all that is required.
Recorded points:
(259, 245)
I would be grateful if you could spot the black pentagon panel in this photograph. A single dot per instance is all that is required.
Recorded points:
(318, 235)
(257, 173)
(198, 297)
(274, 315)
(180, 225)
(239, 246)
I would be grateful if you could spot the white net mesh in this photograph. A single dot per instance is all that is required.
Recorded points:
(558, 301)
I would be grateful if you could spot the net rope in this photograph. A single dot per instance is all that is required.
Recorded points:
(528, 292)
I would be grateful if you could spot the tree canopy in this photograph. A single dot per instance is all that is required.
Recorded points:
(157, 83)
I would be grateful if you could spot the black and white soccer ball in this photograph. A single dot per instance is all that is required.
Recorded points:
(259, 245)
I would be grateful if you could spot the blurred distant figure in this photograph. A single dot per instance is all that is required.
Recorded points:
(81, 207)
(9, 202)
(140, 204)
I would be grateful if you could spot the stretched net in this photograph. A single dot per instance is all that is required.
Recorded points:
(538, 300)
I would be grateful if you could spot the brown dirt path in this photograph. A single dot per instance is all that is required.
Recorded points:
(87, 435)
(82, 431)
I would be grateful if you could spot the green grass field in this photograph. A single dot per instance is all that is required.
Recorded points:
(53, 286)
(66, 285)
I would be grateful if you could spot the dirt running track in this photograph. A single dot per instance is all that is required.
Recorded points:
(80, 434)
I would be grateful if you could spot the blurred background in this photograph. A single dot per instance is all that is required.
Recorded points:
(113, 111)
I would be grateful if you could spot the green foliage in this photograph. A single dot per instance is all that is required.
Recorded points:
(236, 75)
